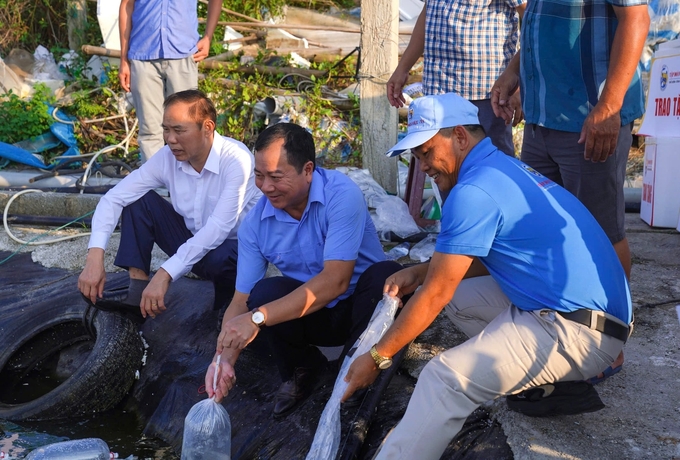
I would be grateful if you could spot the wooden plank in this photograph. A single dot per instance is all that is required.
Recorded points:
(379, 55)
(76, 22)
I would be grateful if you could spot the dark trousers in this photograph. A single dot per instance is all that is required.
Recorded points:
(152, 219)
(292, 343)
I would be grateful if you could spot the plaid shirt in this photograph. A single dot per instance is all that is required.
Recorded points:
(468, 43)
(565, 59)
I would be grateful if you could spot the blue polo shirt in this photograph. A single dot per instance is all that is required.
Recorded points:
(335, 225)
(163, 29)
(537, 240)
(564, 60)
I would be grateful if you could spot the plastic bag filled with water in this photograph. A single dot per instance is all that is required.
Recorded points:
(207, 430)
(78, 449)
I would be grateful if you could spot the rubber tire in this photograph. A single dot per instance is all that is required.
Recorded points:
(98, 384)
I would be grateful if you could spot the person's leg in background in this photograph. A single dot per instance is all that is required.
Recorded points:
(148, 94)
(495, 127)
(179, 75)
(599, 186)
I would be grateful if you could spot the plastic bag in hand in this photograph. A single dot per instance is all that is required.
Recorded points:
(327, 437)
(207, 430)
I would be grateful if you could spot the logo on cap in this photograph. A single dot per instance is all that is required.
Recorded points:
(410, 113)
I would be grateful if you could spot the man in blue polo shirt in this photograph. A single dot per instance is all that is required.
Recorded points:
(314, 226)
(521, 266)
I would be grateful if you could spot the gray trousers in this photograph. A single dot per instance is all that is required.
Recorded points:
(495, 127)
(509, 350)
(599, 186)
(150, 83)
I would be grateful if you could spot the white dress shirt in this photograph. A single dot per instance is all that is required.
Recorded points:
(212, 202)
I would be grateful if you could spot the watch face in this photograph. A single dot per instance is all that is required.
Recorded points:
(385, 364)
(258, 317)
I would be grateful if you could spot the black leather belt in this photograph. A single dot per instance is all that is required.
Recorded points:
(603, 324)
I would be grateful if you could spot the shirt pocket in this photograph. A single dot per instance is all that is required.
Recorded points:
(301, 260)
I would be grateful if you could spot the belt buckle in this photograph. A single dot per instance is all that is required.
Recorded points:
(597, 320)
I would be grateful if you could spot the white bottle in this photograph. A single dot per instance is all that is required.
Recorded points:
(78, 449)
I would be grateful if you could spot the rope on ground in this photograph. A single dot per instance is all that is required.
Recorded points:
(33, 242)
(124, 144)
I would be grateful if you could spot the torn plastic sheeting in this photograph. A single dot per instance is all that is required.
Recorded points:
(62, 131)
(327, 437)
(664, 26)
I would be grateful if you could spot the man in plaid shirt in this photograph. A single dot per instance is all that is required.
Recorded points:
(465, 46)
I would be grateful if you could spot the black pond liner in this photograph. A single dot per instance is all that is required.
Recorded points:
(181, 346)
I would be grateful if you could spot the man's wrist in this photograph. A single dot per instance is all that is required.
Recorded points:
(163, 275)
(95, 254)
(382, 362)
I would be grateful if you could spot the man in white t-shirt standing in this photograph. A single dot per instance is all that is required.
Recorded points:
(211, 183)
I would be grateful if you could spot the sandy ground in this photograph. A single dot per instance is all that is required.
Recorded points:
(641, 419)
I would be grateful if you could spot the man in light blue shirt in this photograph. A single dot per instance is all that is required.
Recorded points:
(159, 54)
(314, 226)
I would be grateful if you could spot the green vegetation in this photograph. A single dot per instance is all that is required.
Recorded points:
(335, 130)
(310, 101)
(23, 119)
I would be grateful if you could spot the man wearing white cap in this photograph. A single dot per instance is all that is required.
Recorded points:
(521, 267)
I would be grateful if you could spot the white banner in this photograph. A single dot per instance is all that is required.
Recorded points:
(662, 115)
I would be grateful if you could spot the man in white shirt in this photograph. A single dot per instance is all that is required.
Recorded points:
(211, 183)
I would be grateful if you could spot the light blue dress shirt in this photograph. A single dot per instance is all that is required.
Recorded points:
(335, 225)
(163, 29)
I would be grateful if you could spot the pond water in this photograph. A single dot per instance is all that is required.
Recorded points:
(118, 428)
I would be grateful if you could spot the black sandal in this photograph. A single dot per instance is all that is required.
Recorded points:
(132, 312)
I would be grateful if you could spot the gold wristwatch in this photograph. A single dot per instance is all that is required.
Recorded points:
(381, 361)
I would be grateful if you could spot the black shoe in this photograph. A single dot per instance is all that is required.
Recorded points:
(560, 398)
(292, 392)
(132, 312)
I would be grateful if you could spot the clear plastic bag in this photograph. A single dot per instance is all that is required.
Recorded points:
(423, 249)
(207, 430)
(327, 438)
(78, 449)
(391, 212)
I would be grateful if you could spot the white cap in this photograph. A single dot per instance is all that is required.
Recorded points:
(428, 114)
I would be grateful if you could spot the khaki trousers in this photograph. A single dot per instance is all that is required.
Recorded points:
(510, 350)
(150, 83)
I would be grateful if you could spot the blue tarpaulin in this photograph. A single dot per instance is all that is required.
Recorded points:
(60, 133)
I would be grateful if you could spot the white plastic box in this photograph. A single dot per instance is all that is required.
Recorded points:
(660, 205)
